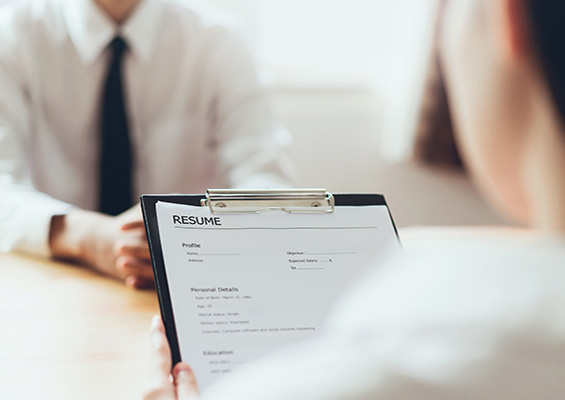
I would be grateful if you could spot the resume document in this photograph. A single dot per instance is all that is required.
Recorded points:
(242, 285)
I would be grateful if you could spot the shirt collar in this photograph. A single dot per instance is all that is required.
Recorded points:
(91, 30)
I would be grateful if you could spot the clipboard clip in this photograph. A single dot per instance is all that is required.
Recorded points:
(230, 201)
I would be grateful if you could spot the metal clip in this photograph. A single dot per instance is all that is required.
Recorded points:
(230, 201)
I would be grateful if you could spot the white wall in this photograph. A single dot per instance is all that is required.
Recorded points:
(336, 146)
(362, 45)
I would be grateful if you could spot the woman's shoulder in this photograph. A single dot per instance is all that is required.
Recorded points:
(480, 248)
(456, 313)
(474, 277)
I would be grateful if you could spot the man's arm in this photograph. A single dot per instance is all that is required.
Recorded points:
(35, 223)
(115, 246)
(25, 213)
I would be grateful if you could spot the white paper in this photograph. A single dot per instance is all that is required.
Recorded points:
(242, 285)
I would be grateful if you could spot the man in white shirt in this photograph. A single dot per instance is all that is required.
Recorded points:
(155, 90)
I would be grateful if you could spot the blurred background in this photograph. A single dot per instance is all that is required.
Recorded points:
(348, 80)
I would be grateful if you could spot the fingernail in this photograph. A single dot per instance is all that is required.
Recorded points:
(182, 372)
(131, 281)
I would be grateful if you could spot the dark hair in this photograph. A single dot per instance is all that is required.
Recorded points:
(547, 19)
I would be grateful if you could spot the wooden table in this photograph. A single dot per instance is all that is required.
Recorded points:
(67, 333)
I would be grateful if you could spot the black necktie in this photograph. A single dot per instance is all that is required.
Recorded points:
(116, 155)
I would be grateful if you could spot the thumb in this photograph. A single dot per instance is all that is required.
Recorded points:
(185, 382)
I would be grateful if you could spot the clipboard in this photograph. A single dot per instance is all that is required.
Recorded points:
(226, 201)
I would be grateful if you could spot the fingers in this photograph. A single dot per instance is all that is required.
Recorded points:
(138, 273)
(131, 219)
(128, 265)
(133, 260)
(161, 352)
(185, 382)
(135, 246)
(139, 283)
(159, 384)
(132, 225)
(133, 213)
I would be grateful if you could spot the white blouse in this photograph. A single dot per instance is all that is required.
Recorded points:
(462, 318)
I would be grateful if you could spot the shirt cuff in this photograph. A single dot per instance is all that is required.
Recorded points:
(29, 232)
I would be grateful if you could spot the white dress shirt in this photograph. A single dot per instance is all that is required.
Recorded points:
(198, 115)
(462, 318)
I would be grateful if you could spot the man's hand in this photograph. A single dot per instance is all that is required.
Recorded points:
(115, 246)
(183, 386)
(132, 251)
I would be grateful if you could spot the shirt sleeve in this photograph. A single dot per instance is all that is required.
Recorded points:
(251, 144)
(25, 213)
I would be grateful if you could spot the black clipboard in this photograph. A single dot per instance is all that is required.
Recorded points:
(315, 198)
